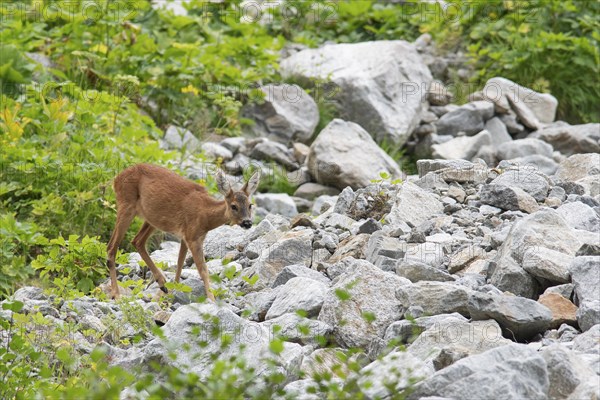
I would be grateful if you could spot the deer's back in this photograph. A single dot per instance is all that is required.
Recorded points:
(160, 195)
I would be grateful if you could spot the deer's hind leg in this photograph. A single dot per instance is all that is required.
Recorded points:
(124, 218)
(140, 244)
(181, 259)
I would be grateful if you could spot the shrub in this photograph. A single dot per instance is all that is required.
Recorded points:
(550, 46)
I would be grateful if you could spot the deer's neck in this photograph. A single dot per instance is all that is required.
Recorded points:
(218, 214)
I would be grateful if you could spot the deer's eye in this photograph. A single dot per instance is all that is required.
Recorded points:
(250, 207)
(234, 207)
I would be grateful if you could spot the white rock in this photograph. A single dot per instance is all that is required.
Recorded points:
(500, 90)
(277, 203)
(382, 85)
(345, 155)
(287, 114)
(299, 293)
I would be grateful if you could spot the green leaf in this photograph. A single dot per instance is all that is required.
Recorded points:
(276, 346)
(342, 294)
(368, 316)
(85, 285)
(14, 306)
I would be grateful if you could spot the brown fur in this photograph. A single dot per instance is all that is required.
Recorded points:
(170, 203)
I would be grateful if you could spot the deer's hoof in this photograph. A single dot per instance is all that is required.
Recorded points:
(164, 289)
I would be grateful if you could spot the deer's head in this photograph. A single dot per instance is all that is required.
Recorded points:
(239, 208)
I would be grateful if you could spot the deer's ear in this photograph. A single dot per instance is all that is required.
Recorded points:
(252, 184)
(223, 183)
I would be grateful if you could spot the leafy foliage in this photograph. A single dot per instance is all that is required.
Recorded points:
(74, 265)
(116, 73)
(41, 360)
(315, 22)
(550, 46)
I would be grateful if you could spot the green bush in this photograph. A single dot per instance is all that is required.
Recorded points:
(315, 22)
(547, 45)
(74, 266)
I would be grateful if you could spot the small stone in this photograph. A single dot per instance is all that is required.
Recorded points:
(298, 270)
(311, 191)
(277, 203)
(268, 150)
(215, 151)
(340, 221)
(508, 198)
(457, 193)
(563, 311)
(369, 226)
(300, 152)
(161, 317)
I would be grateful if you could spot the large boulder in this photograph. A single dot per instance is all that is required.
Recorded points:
(380, 85)
(571, 139)
(413, 206)
(299, 270)
(526, 178)
(544, 228)
(396, 371)
(294, 247)
(298, 294)
(269, 150)
(469, 119)
(177, 138)
(548, 264)
(416, 271)
(580, 216)
(362, 303)
(327, 361)
(520, 318)
(277, 203)
(509, 372)
(217, 244)
(465, 147)
(455, 170)
(570, 377)
(507, 198)
(585, 272)
(345, 155)
(296, 329)
(286, 114)
(582, 169)
(508, 95)
(498, 130)
(406, 331)
(563, 310)
(435, 297)
(522, 148)
(587, 342)
(197, 334)
(450, 340)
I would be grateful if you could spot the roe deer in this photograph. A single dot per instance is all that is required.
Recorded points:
(170, 203)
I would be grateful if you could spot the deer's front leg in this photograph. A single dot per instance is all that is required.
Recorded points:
(198, 255)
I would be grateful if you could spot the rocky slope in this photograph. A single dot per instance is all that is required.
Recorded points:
(485, 265)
